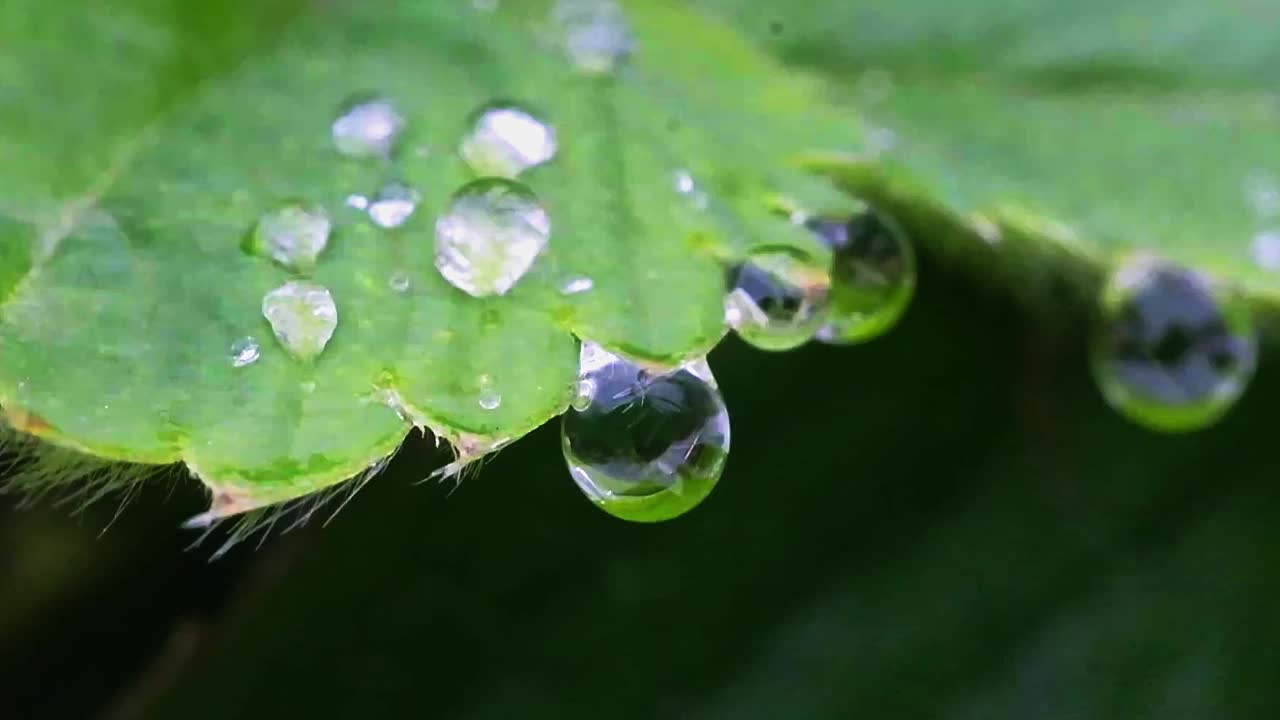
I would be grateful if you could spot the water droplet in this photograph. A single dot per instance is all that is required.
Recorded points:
(505, 141)
(367, 128)
(596, 34)
(357, 202)
(583, 391)
(687, 187)
(577, 284)
(399, 282)
(778, 297)
(873, 275)
(293, 235)
(645, 446)
(490, 399)
(393, 205)
(245, 351)
(1175, 349)
(308, 386)
(303, 317)
(1262, 191)
(490, 235)
(1265, 250)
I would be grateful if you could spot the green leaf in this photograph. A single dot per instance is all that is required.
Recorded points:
(133, 182)
(1083, 130)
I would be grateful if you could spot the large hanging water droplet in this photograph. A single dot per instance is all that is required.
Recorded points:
(394, 204)
(303, 317)
(367, 128)
(873, 275)
(505, 141)
(490, 235)
(645, 447)
(596, 35)
(293, 235)
(778, 297)
(1175, 349)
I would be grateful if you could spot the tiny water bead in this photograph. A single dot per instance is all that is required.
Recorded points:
(688, 188)
(577, 285)
(394, 204)
(293, 235)
(399, 282)
(245, 352)
(778, 297)
(303, 317)
(505, 141)
(367, 128)
(1265, 250)
(490, 399)
(645, 446)
(597, 37)
(873, 275)
(490, 235)
(1175, 349)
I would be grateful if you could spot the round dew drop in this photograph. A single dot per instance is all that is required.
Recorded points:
(645, 447)
(873, 276)
(778, 297)
(490, 235)
(303, 317)
(293, 235)
(245, 352)
(394, 204)
(505, 141)
(1175, 349)
(367, 128)
(596, 35)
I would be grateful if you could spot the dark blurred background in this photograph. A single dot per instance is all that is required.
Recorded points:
(945, 523)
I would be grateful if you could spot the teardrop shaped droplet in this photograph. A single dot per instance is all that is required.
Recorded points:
(303, 317)
(505, 141)
(293, 235)
(873, 275)
(1175, 349)
(645, 446)
(596, 35)
(367, 128)
(394, 204)
(490, 235)
(399, 282)
(490, 398)
(778, 297)
(245, 352)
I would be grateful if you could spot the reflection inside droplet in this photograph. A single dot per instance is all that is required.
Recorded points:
(645, 446)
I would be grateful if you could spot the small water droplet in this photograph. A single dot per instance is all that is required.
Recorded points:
(303, 317)
(644, 446)
(367, 128)
(687, 187)
(1265, 250)
(596, 35)
(293, 235)
(583, 391)
(880, 141)
(245, 351)
(505, 141)
(399, 282)
(1262, 191)
(308, 386)
(1175, 349)
(357, 202)
(490, 399)
(490, 235)
(393, 205)
(873, 275)
(577, 284)
(778, 297)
